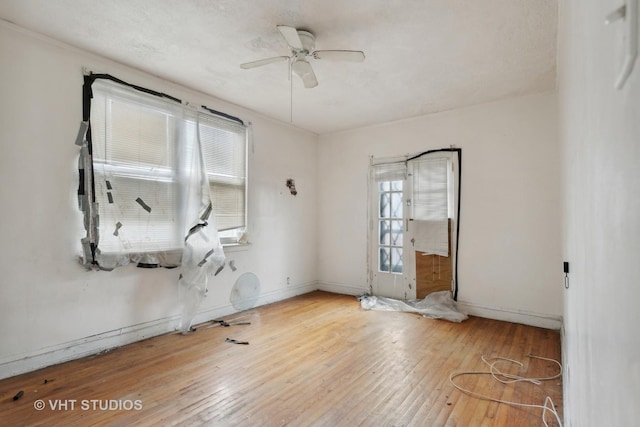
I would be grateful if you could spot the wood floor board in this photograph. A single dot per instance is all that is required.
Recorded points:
(314, 360)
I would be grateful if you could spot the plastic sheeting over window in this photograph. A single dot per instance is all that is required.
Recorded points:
(145, 188)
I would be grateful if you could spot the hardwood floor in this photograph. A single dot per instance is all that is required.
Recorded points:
(314, 360)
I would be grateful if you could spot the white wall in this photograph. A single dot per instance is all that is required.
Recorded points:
(510, 247)
(600, 135)
(51, 309)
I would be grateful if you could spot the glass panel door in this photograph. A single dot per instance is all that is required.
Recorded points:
(387, 235)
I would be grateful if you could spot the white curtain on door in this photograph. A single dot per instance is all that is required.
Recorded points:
(389, 172)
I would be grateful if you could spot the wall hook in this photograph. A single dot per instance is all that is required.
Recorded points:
(291, 184)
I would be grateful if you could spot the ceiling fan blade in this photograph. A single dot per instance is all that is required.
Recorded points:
(310, 80)
(290, 34)
(340, 55)
(262, 62)
(303, 70)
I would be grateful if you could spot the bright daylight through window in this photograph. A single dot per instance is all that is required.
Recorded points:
(148, 156)
(390, 227)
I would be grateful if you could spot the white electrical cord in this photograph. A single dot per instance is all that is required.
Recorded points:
(505, 378)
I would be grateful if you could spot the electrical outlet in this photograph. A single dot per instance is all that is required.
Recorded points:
(288, 281)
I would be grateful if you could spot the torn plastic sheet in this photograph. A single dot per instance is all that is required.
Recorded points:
(437, 305)
(195, 273)
(202, 255)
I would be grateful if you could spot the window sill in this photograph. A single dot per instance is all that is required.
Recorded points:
(235, 247)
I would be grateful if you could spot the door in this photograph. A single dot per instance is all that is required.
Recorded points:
(387, 232)
(410, 203)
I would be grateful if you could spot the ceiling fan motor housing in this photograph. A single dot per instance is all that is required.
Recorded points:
(308, 41)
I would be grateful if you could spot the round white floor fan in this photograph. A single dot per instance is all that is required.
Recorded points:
(245, 292)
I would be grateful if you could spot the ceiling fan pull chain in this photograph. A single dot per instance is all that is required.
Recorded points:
(290, 93)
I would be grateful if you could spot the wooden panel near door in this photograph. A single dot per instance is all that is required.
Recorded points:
(433, 272)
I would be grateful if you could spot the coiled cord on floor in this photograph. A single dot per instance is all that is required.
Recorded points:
(506, 378)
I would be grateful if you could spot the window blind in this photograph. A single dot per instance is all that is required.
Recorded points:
(389, 171)
(224, 150)
(143, 151)
(134, 151)
(431, 189)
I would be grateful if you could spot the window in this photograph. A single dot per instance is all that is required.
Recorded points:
(390, 231)
(149, 155)
(224, 151)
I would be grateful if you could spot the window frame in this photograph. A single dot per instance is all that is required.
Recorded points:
(166, 105)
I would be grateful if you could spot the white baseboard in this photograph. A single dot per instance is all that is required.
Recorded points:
(340, 288)
(64, 352)
(52, 355)
(288, 292)
(264, 299)
(566, 378)
(546, 321)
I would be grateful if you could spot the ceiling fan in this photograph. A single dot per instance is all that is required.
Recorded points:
(302, 44)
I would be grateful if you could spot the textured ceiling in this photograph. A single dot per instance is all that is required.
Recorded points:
(422, 56)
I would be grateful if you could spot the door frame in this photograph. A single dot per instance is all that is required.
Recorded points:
(408, 277)
(392, 285)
